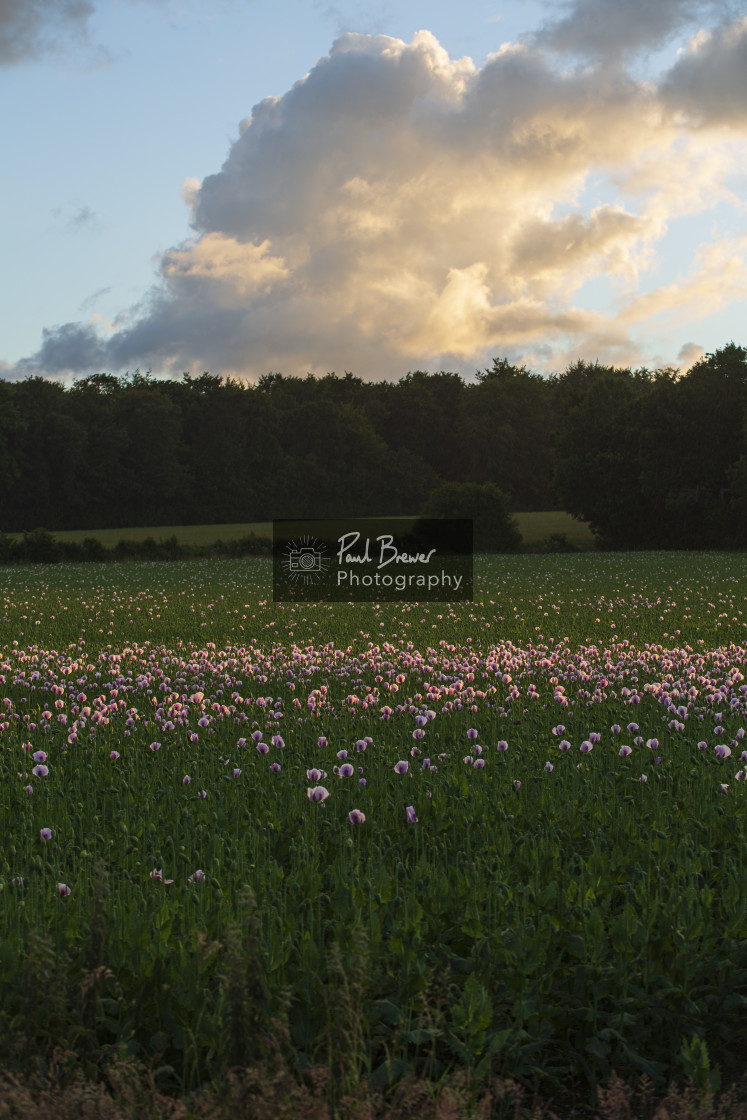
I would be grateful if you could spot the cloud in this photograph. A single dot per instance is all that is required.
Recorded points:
(718, 277)
(397, 208)
(30, 28)
(708, 83)
(617, 28)
(82, 219)
(689, 354)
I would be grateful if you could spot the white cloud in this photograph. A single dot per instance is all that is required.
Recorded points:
(398, 208)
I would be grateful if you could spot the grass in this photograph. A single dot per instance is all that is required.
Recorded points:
(534, 528)
(539, 927)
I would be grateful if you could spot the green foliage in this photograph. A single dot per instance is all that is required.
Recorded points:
(583, 923)
(649, 458)
(495, 530)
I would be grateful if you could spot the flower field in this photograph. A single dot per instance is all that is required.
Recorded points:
(506, 835)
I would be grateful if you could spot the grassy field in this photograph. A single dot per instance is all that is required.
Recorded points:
(534, 528)
(503, 837)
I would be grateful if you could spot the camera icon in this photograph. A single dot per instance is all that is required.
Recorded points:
(305, 560)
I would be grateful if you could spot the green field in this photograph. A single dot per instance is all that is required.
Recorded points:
(534, 528)
(558, 893)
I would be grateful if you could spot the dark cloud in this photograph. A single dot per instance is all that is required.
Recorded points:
(709, 80)
(69, 347)
(30, 28)
(615, 28)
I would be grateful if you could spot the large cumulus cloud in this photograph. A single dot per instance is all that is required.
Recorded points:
(399, 208)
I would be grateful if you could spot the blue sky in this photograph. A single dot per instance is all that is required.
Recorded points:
(430, 186)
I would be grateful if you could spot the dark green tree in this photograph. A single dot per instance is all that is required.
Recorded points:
(495, 529)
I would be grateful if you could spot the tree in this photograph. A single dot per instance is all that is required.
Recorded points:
(495, 530)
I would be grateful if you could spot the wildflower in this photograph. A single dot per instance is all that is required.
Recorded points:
(722, 751)
(342, 754)
(426, 764)
(203, 794)
(355, 816)
(564, 745)
(318, 793)
(196, 876)
(594, 737)
(549, 767)
(517, 785)
(203, 721)
(586, 746)
(241, 743)
(157, 876)
(724, 787)
(625, 751)
(40, 756)
(479, 763)
(277, 742)
(237, 772)
(274, 768)
(155, 746)
(401, 767)
(114, 755)
(40, 771)
(467, 760)
(411, 816)
(321, 742)
(558, 730)
(502, 745)
(414, 752)
(420, 721)
(256, 735)
(361, 745)
(616, 729)
(362, 782)
(702, 746)
(346, 770)
(643, 778)
(45, 833)
(418, 733)
(186, 780)
(64, 890)
(471, 734)
(262, 748)
(29, 789)
(314, 775)
(632, 727)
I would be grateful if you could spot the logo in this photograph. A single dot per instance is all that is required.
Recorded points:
(305, 561)
(372, 559)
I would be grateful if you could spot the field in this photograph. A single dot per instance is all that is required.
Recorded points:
(505, 837)
(534, 527)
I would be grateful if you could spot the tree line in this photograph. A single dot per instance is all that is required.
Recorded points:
(650, 458)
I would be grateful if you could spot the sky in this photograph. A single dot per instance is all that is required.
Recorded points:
(295, 186)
